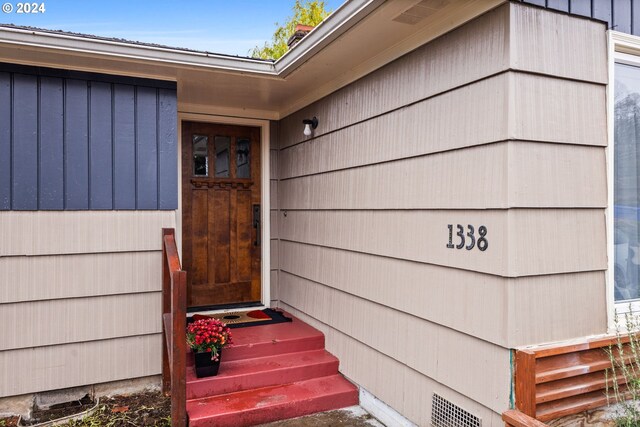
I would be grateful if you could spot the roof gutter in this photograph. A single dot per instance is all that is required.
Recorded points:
(345, 17)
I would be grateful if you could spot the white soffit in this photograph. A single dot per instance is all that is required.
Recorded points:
(359, 37)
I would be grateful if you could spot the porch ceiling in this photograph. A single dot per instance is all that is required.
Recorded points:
(358, 38)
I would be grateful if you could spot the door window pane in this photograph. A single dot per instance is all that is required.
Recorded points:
(626, 192)
(200, 155)
(222, 144)
(242, 158)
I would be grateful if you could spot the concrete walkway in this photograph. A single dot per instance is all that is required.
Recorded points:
(353, 416)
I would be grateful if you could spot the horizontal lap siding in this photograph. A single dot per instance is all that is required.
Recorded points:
(514, 141)
(73, 276)
(55, 233)
(481, 305)
(522, 242)
(439, 353)
(60, 366)
(536, 170)
(86, 287)
(80, 319)
(77, 144)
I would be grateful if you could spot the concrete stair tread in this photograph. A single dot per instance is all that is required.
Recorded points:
(260, 372)
(261, 405)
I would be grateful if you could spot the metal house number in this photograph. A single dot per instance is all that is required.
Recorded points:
(482, 243)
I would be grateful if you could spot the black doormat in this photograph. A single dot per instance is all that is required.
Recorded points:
(244, 319)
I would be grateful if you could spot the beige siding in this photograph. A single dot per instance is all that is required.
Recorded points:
(481, 49)
(61, 366)
(68, 276)
(507, 312)
(522, 242)
(557, 110)
(80, 319)
(86, 288)
(557, 44)
(68, 232)
(472, 115)
(439, 353)
(436, 181)
(512, 140)
(507, 106)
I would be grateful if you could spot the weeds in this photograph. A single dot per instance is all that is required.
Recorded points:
(623, 378)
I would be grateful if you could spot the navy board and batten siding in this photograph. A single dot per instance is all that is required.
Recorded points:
(620, 15)
(84, 141)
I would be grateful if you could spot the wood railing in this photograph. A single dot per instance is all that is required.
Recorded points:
(515, 418)
(174, 318)
(559, 380)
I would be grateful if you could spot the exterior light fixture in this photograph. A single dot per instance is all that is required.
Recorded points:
(309, 125)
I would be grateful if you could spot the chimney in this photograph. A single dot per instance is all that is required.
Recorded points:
(301, 31)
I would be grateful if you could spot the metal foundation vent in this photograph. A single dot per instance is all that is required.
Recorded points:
(446, 414)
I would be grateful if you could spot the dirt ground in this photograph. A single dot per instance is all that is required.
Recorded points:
(351, 417)
(135, 410)
(153, 409)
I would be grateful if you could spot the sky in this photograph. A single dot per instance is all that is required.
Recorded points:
(222, 26)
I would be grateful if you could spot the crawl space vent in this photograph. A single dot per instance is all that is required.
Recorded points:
(446, 414)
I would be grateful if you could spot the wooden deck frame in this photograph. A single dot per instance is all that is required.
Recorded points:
(559, 380)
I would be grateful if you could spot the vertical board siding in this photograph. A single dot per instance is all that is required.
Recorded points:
(100, 137)
(146, 148)
(76, 145)
(620, 15)
(5, 141)
(25, 142)
(124, 137)
(84, 143)
(51, 144)
(635, 17)
(167, 149)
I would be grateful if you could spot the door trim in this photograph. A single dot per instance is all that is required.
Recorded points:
(265, 215)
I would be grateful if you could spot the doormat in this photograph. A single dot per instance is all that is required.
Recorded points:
(243, 319)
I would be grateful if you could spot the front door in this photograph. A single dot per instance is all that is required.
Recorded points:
(221, 213)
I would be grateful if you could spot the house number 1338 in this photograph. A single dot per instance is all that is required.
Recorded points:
(481, 241)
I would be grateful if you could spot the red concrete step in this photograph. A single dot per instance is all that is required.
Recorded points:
(260, 372)
(270, 340)
(257, 406)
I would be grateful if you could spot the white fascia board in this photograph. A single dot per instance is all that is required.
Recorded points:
(340, 21)
(79, 44)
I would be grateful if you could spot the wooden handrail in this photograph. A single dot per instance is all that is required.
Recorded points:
(515, 418)
(174, 319)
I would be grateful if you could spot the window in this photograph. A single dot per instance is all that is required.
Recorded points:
(623, 155)
(626, 187)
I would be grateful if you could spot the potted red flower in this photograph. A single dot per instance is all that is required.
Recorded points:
(207, 337)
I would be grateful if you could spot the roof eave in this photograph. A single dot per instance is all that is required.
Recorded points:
(336, 24)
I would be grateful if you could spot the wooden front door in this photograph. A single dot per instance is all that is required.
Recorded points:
(221, 213)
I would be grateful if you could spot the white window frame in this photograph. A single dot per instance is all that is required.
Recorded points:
(623, 48)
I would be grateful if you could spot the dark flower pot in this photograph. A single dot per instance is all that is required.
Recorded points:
(205, 367)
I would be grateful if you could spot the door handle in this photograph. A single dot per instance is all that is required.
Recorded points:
(256, 224)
